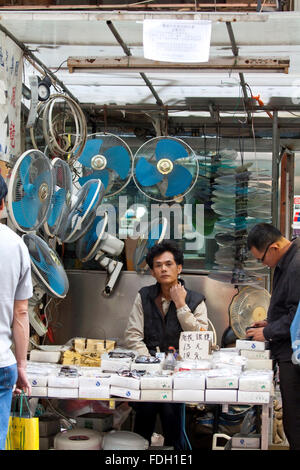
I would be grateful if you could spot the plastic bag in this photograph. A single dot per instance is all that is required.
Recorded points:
(23, 429)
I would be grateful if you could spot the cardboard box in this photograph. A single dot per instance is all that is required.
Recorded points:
(253, 397)
(259, 364)
(189, 380)
(100, 422)
(125, 392)
(250, 354)
(221, 396)
(97, 382)
(255, 383)
(62, 392)
(252, 345)
(156, 395)
(98, 346)
(196, 396)
(156, 382)
(149, 368)
(216, 381)
(38, 380)
(62, 381)
(250, 441)
(39, 391)
(114, 365)
(125, 382)
(48, 425)
(37, 355)
(94, 392)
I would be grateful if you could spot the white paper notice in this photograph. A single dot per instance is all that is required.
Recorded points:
(177, 40)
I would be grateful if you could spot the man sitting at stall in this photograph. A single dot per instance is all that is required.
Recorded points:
(160, 313)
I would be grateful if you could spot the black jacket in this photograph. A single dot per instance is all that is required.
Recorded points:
(284, 302)
(164, 331)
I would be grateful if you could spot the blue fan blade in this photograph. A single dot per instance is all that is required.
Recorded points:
(154, 235)
(89, 198)
(91, 148)
(26, 211)
(170, 149)
(146, 173)
(24, 170)
(102, 175)
(178, 181)
(53, 274)
(58, 199)
(118, 160)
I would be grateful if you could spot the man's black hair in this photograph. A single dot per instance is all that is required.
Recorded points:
(261, 235)
(160, 248)
(3, 188)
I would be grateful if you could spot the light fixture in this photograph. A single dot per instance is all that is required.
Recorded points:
(127, 64)
(44, 88)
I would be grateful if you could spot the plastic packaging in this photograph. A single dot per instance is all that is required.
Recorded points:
(170, 360)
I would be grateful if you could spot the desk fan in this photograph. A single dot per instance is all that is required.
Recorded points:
(249, 305)
(48, 275)
(30, 191)
(152, 235)
(97, 243)
(107, 157)
(61, 199)
(83, 211)
(165, 168)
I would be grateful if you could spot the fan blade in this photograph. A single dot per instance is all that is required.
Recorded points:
(24, 170)
(170, 149)
(102, 175)
(26, 211)
(58, 199)
(91, 148)
(146, 173)
(118, 160)
(90, 198)
(54, 276)
(178, 181)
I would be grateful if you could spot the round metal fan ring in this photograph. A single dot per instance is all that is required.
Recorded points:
(164, 166)
(98, 162)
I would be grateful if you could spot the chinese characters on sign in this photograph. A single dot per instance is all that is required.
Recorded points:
(195, 345)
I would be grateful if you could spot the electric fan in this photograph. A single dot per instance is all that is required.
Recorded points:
(49, 277)
(61, 199)
(165, 168)
(30, 191)
(97, 243)
(107, 157)
(83, 211)
(149, 237)
(295, 337)
(248, 306)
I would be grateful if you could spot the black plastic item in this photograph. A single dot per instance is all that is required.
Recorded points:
(228, 337)
(120, 355)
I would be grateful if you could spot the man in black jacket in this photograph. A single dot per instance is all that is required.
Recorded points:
(269, 246)
(159, 314)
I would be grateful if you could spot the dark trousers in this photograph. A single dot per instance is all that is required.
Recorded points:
(171, 420)
(289, 377)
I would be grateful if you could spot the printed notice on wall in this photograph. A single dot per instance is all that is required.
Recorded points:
(177, 40)
(195, 345)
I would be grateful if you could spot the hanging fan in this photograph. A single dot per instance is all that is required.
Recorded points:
(107, 157)
(248, 306)
(83, 211)
(49, 277)
(152, 235)
(30, 191)
(165, 168)
(61, 199)
(97, 243)
(235, 276)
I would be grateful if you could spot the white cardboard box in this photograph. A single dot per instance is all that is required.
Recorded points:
(58, 381)
(156, 395)
(253, 397)
(94, 381)
(221, 396)
(62, 392)
(253, 354)
(149, 368)
(213, 380)
(255, 383)
(125, 382)
(189, 380)
(252, 345)
(188, 395)
(94, 392)
(38, 380)
(240, 441)
(113, 365)
(259, 364)
(125, 392)
(39, 391)
(156, 382)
